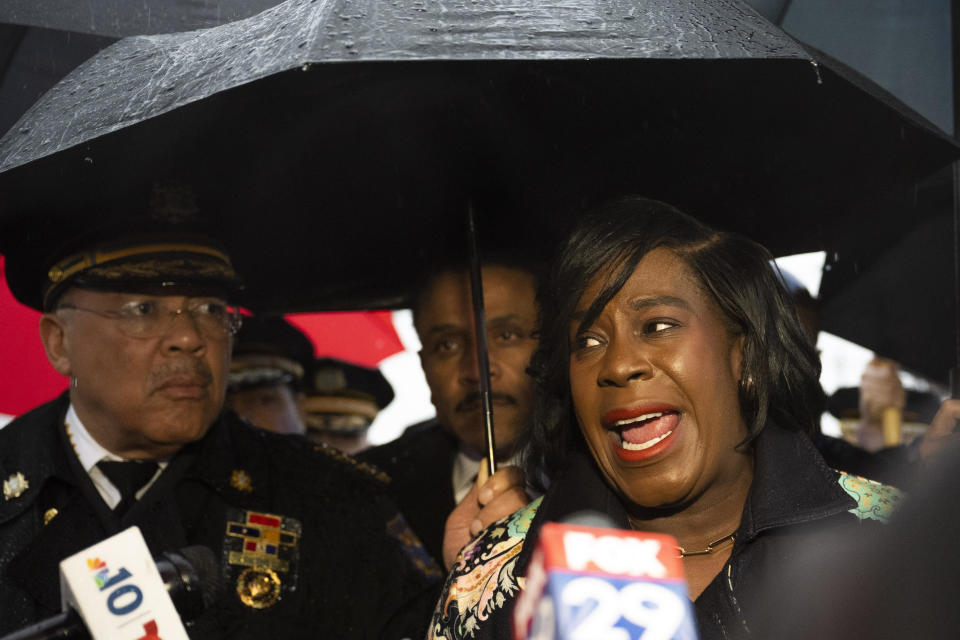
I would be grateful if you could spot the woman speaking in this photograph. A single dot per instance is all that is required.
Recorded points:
(676, 389)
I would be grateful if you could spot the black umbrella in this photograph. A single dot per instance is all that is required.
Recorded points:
(337, 142)
(41, 42)
(120, 18)
(902, 300)
(34, 59)
(897, 299)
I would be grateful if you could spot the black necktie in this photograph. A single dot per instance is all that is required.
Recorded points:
(128, 477)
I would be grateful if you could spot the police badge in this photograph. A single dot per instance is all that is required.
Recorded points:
(260, 556)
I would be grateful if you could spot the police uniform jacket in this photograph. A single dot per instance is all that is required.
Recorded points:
(354, 570)
(420, 466)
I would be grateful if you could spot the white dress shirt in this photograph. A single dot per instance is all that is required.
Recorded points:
(465, 470)
(89, 452)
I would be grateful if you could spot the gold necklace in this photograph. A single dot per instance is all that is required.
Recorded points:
(710, 547)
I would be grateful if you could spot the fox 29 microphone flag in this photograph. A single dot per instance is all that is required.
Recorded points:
(590, 583)
(118, 592)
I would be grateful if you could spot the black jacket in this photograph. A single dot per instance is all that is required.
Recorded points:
(420, 466)
(794, 500)
(892, 465)
(354, 573)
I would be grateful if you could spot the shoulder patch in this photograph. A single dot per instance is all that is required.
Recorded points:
(399, 530)
(875, 501)
(367, 469)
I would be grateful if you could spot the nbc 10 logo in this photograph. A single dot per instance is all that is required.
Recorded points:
(123, 596)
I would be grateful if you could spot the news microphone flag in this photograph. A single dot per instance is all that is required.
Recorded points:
(590, 583)
(118, 592)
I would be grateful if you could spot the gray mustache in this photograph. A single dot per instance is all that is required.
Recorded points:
(199, 370)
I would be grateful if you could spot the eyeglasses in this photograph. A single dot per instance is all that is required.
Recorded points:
(150, 319)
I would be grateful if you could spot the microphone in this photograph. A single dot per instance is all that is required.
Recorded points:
(588, 580)
(191, 577)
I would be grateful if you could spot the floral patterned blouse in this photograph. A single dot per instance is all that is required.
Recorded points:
(484, 577)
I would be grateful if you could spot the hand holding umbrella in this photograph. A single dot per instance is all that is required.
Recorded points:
(491, 498)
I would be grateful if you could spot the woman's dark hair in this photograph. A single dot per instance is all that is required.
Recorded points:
(780, 372)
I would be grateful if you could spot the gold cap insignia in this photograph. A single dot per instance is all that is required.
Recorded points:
(240, 480)
(55, 274)
(14, 486)
(258, 588)
(173, 202)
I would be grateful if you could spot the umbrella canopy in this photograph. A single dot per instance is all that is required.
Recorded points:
(897, 300)
(335, 143)
(34, 59)
(119, 18)
(40, 42)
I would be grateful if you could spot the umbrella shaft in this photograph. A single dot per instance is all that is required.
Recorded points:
(480, 328)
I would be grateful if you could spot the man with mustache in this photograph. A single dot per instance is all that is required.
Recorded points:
(434, 465)
(307, 542)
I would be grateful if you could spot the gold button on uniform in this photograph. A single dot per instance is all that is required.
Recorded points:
(258, 588)
(14, 486)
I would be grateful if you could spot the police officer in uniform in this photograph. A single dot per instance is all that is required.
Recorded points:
(342, 400)
(142, 328)
(265, 386)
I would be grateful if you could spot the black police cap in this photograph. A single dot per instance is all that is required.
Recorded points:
(269, 350)
(330, 377)
(165, 245)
